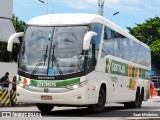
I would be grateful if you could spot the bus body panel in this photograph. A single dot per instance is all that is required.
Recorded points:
(118, 89)
(121, 77)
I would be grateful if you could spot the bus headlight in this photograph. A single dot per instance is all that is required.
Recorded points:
(76, 86)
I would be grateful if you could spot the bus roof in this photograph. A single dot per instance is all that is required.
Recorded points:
(65, 19)
(79, 19)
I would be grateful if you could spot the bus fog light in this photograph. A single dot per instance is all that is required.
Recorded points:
(75, 86)
(21, 85)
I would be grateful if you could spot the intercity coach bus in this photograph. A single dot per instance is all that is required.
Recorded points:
(81, 60)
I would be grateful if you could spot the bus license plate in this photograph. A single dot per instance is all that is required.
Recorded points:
(46, 97)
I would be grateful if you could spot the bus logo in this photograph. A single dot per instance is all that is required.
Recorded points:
(46, 90)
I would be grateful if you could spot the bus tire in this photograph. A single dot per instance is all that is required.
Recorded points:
(44, 108)
(137, 103)
(141, 99)
(127, 105)
(99, 107)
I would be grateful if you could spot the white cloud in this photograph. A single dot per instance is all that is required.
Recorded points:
(136, 7)
(127, 6)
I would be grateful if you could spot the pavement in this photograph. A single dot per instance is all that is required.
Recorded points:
(111, 110)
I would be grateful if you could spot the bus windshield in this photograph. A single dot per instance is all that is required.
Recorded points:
(53, 50)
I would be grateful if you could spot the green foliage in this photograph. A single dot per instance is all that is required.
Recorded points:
(5, 55)
(149, 33)
(19, 25)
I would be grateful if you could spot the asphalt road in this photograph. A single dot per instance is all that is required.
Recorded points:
(150, 110)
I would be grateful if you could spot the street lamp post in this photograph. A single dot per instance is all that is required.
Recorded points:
(46, 4)
(114, 14)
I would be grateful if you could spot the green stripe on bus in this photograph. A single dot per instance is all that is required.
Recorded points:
(19, 78)
(120, 68)
(54, 83)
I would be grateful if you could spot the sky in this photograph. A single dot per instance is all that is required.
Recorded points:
(131, 12)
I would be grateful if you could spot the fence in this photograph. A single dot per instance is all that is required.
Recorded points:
(8, 98)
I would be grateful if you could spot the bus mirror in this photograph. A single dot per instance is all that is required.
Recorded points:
(12, 38)
(87, 39)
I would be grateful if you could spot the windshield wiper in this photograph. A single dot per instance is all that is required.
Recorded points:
(56, 63)
(40, 61)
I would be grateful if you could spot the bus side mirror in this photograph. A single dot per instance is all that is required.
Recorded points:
(87, 39)
(12, 38)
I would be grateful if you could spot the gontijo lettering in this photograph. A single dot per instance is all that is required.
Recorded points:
(118, 68)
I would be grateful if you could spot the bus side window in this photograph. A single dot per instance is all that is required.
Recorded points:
(107, 47)
(117, 44)
(125, 44)
(145, 57)
(133, 51)
(148, 57)
(96, 27)
(139, 54)
(115, 47)
(91, 56)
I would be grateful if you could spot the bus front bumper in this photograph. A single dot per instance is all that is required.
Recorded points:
(72, 97)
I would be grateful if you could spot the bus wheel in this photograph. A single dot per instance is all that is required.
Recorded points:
(99, 107)
(137, 103)
(141, 99)
(44, 108)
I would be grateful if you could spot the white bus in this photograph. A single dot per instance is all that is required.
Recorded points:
(81, 60)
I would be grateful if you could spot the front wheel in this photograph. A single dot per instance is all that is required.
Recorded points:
(99, 107)
(44, 108)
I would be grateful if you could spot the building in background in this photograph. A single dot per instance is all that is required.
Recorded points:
(6, 30)
(6, 26)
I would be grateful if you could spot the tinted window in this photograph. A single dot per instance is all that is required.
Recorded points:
(126, 50)
(133, 51)
(118, 45)
(96, 27)
(148, 55)
(139, 54)
(107, 33)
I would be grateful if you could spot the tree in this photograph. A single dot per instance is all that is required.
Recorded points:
(5, 55)
(149, 33)
(19, 25)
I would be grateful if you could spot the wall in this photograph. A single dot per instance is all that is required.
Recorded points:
(6, 7)
(6, 26)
